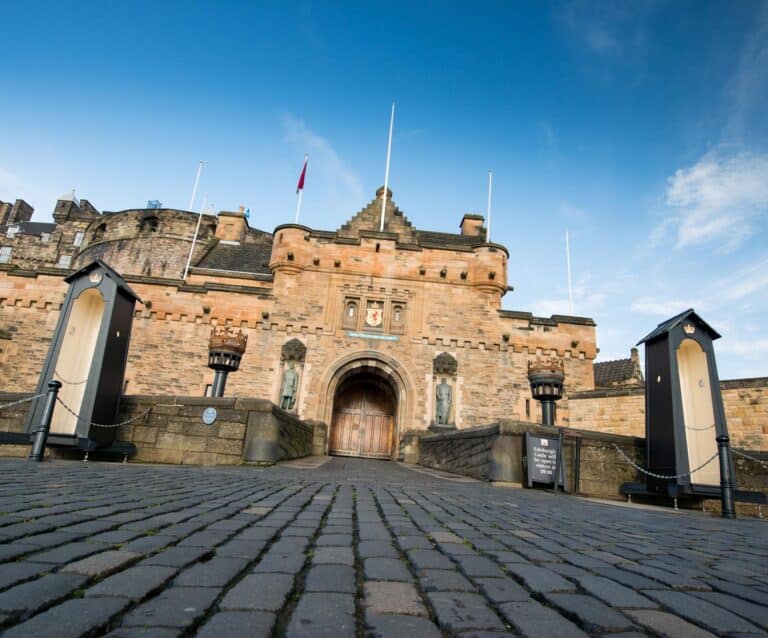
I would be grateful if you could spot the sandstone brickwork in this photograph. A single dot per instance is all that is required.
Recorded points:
(359, 300)
(435, 293)
(623, 411)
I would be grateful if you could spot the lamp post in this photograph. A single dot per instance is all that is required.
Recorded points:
(225, 351)
(546, 377)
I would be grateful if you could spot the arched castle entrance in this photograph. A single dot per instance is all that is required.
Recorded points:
(367, 402)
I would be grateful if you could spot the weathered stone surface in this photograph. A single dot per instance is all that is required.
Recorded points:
(259, 592)
(174, 607)
(393, 598)
(323, 616)
(238, 623)
(102, 564)
(70, 619)
(134, 583)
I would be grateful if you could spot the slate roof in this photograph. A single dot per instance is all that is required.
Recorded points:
(251, 255)
(35, 228)
(669, 324)
(619, 373)
(433, 238)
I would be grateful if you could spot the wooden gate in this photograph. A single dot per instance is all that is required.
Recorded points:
(362, 423)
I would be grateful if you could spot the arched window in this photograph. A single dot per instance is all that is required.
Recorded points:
(350, 313)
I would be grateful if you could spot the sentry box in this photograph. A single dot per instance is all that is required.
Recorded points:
(683, 407)
(87, 355)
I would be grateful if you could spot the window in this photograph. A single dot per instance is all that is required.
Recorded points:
(350, 313)
(5, 254)
(12, 232)
(99, 231)
(79, 239)
(208, 392)
(149, 224)
(64, 261)
(397, 323)
(46, 237)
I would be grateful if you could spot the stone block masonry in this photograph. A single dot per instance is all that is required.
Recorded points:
(171, 430)
(622, 411)
(495, 453)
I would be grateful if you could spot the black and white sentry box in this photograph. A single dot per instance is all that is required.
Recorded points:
(88, 354)
(683, 406)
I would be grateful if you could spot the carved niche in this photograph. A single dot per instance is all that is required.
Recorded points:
(444, 363)
(293, 350)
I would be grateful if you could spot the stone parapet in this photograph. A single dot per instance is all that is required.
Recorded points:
(171, 430)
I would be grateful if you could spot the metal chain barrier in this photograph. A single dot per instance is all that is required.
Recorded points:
(664, 476)
(105, 425)
(20, 401)
(749, 456)
(704, 429)
(63, 380)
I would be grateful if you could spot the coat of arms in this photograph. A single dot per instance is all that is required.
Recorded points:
(373, 315)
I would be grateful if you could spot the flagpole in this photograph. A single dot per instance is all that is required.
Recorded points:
(194, 238)
(197, 181)
(386, 173)
(300, 192)
(488, 227)
(568, 262)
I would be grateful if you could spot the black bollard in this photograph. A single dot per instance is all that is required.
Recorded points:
(558, 459)
(726, 476)
(41, 434)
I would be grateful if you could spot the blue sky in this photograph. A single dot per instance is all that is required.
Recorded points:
(640, 127)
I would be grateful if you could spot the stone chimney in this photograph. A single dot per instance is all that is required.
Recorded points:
(232, 226)
(5, 210)
(472, 224)
(21, 212)
(66, 206)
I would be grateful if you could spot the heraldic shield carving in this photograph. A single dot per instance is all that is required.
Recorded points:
(374, 314)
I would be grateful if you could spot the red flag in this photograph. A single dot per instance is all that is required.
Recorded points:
(300, 185)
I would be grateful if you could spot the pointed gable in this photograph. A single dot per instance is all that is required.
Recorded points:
(369, 219)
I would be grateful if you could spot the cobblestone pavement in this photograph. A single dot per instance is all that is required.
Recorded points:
(357, 548)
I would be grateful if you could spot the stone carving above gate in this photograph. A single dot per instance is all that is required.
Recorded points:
(293, 350)
(444, 363)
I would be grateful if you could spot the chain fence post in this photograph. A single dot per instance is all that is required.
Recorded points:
(726, 477)
(41, 434)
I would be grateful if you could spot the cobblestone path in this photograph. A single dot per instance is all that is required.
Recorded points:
(357, 548)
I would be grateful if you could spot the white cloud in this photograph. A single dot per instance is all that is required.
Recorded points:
(745, 281)
(608, 28)
(324, 158)
(748, 88)
(718, 198)
(664, 307)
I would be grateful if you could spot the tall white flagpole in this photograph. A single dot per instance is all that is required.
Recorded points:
(301, 190)
(194, 238)
(386, 173)
(488, 227)
(197, 181)
(568, 262)
(298, 205)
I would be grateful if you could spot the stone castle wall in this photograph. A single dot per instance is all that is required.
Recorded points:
(168, 352)
(153, 243)
(623, 411)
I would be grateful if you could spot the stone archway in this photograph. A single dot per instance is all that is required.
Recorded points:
(366, 385)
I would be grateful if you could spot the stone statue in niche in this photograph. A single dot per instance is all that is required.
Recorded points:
(289, 387)
(444, 396)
